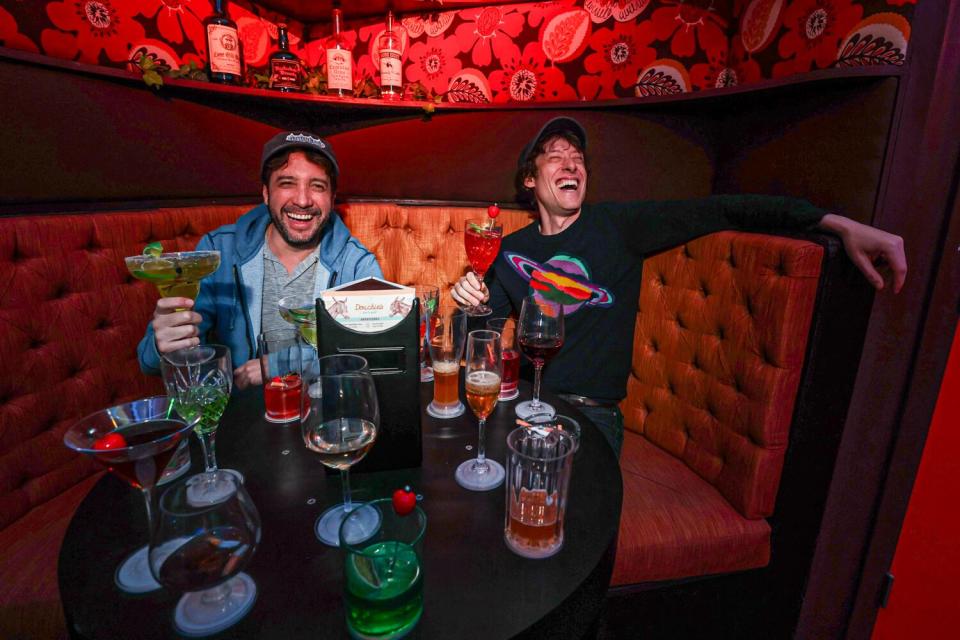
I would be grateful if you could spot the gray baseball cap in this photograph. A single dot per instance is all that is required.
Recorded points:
(298, 140)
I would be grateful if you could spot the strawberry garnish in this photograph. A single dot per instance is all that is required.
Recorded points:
(493, 210)
(112, 440)
(404, 500)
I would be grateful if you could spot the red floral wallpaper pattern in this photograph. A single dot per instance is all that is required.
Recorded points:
(557, 50)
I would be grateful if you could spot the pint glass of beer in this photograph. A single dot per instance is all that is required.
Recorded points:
(449, 331)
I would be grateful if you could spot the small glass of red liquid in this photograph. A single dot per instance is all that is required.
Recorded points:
(510, 371)
(281, 353)
(481, 239)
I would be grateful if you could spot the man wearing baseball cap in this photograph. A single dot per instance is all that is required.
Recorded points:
(589, 257)
(293, 244)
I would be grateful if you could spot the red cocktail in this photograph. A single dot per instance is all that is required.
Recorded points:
(482, 241)
(282, 397)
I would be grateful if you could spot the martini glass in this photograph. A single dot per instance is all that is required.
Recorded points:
(134, 441)
(340, 419)
(301, 312)
(175, 274)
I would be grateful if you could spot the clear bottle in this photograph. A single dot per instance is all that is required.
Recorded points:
(391, 68)
(285, 69)
(339, 60)
(223, 47)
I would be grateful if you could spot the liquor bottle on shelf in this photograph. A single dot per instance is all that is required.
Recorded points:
(285, 69)
(223, 46)
(339, 60)
(391, 68)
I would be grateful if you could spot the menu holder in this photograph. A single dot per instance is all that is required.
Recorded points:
(394, 359)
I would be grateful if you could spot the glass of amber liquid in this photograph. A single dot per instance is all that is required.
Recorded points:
(447, 335)
(483, 388)
(481, 240)
(510, 373)
(539, 465)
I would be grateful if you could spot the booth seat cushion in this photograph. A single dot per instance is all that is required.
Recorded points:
(675, 524)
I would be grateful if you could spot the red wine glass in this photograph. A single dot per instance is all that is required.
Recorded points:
(540, 335)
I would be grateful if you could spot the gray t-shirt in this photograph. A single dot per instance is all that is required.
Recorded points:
(277, 283)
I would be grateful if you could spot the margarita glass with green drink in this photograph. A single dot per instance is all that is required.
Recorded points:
(175, 274)
(383, 576)
(301, 312)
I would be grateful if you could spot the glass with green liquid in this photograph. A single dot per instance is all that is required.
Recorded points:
(383, 576)
(174, 274)
(301, 312)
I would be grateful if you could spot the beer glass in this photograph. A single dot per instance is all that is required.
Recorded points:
(447, 336)
(510, 372)
(539, 465)
(482, 380)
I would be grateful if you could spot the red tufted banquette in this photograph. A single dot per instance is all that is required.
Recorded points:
(719, 348)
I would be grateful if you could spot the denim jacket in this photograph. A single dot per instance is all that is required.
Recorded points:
(230, 300)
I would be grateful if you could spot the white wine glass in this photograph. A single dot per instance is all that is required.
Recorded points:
(482, 380)
(339, 421)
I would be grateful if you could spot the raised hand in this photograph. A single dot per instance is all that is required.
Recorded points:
(175, 325)
(469, 290)
(875, 252)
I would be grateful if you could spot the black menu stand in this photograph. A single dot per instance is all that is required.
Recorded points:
(394, 359)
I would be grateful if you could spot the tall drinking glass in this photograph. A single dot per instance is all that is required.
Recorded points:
(429, 297)
(340, 419)
(483, 386)
(510, 374)
(134, 441)
(200, 547)
(447, 337)
(481, 239)
(200, 379)
(281, 365)
(540, 334)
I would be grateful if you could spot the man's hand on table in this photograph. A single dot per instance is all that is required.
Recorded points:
(470, 291)
(175, 329)
(248, 374)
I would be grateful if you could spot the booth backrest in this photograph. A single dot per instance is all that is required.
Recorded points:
(718, 352)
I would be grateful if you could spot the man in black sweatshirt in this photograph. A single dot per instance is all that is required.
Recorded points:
(590, 258)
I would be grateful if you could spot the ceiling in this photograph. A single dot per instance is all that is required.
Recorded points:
(311, 11)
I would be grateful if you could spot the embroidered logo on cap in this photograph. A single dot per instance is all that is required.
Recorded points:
(305, 139)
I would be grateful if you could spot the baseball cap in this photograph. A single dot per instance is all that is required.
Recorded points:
(286, 140)
(554, 126)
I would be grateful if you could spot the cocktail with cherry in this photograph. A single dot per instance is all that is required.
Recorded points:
(134, 441)
(482, 241)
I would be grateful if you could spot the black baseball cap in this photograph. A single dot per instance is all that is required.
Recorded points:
(302, 140)
(553, 127)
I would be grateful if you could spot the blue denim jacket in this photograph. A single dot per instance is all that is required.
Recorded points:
(231, 299)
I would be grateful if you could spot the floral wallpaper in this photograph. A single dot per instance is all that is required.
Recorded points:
(558, 50)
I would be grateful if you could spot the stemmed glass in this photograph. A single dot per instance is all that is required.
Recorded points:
(301, 312)
(482, 378)
(447, 335)
(481, 239)
(340, 417)
(174, 274)
(540, 334)
(200, 546)
(134, 441)
(199, 379)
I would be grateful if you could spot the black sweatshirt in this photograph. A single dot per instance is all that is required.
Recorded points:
(594, 268)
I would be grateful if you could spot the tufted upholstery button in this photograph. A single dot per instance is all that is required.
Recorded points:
(654, 346)
(704, 291)
(748, 303)
(685, 251)
(721, 333)
(36, 343)
(679, 321)
(102, 324)
(431, 259)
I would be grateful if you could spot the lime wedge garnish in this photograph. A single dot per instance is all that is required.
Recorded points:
(153, 249)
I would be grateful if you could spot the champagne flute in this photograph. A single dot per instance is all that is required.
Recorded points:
(340, 417)
(200, 547)
(540, 334)
(482, 378)
(134, 441)
(200, 379)
(481, 239)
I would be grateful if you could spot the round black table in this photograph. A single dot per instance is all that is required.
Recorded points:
(474, 587)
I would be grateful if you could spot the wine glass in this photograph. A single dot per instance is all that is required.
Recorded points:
(482, 379)
(481, 239)
(340, 419)
(200, 546)
(540, 334)
(134, 441)
(447, 336)
(200, 379)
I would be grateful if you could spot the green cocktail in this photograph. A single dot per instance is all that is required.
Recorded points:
(384, 591)
(301, 313)
(383, 575)
(174, 274)
(209, 402)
